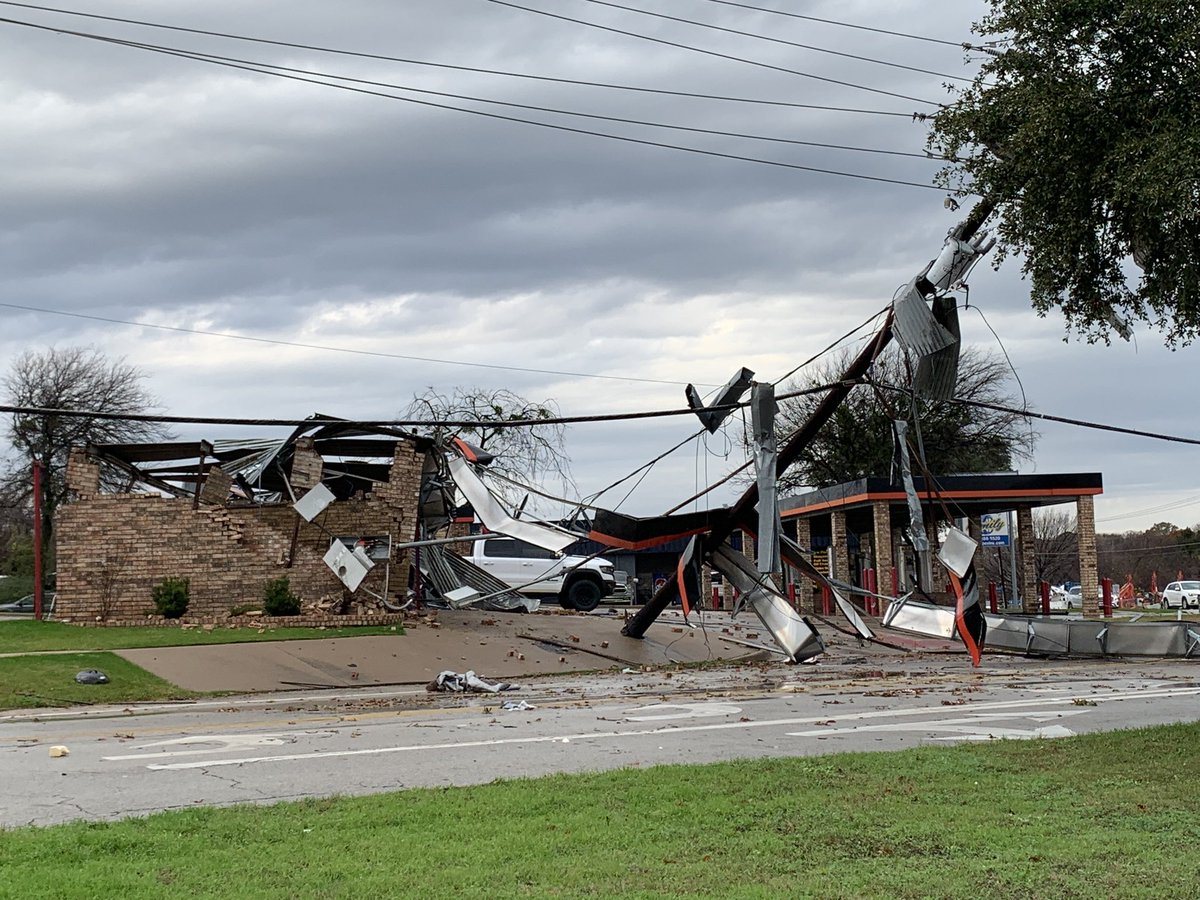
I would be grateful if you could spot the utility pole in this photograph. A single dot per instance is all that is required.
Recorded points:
(928, 284)
(37, 539)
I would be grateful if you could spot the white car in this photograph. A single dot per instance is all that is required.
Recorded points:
(1181, 595)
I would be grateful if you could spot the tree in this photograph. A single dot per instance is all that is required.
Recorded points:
(72, 378)
(1083, 127)
(523, 454)
(857, 442)
(1055, 546)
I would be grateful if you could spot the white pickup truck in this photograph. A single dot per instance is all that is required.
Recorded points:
(578, 583)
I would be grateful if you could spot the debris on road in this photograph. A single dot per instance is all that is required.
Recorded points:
(462, 682)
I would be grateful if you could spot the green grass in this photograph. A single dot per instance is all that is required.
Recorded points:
(29, 636)
(1006, 820)
(28, 682)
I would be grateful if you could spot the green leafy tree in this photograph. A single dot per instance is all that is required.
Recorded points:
(1083, 127)
(857, 442)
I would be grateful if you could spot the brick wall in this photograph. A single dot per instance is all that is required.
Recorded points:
(113, 548)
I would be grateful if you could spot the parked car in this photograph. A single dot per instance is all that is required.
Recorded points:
(1181, 595)
(25, 604)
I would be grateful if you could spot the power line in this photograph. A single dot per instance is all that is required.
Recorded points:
(460, 68)
(251, 67)
(527, 106)
(714, 53)
(331, 349)
(792, 15)
(774, 40)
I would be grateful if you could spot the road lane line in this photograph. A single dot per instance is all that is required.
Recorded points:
(678, 729)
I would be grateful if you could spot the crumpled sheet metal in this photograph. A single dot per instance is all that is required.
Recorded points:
(448, 572)
(791, 631)
(493, 514)
(732, 392)
(932, 335)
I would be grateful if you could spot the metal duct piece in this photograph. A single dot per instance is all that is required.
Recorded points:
(731, 393)
(792, 632)
(916, 520)
(762, 418)
(795, 557)
(496, 518)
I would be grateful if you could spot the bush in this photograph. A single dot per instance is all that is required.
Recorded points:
(278, 599)
(171, 596)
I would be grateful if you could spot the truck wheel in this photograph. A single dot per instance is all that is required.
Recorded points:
(583, 595)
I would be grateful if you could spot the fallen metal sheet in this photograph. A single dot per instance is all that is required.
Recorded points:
(613, 529)
(920, 617)
(762, 418)
(795, 557)
(1148, 639)
(496, 518)
(731, 393)
(1008, 632)
(968, 615)
(792, 632)
(450, 573)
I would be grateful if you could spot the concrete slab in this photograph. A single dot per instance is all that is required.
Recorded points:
(494, 645)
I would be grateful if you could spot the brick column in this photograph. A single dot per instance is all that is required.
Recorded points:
(1085, 516)
(881, 519)
(83, 475)
(839, 551)
(805, 587)
(307, 467)
(1031, 598)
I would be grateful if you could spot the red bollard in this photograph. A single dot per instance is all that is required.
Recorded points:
(826, 601)
(792, 595)
(992, 598)
(716, 597)
(871, 603)
(1045, 598)
(1106, 584)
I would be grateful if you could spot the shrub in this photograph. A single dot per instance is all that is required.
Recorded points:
(278, 599)
(171, 596)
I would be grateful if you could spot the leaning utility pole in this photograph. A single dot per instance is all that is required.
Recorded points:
(936, 277)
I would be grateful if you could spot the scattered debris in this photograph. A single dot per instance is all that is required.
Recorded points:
(468, 682)
(58, 751)
(91, 676)
(517, 705)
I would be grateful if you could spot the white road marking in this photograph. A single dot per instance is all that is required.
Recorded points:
(224, 742)
(662, 712)
(675, 729)
(970, 728)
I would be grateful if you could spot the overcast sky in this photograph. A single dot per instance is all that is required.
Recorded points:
(152, 189)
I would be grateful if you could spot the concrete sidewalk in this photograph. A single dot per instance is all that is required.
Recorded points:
(493, 645)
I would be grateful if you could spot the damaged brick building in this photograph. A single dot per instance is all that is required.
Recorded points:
(221, 515)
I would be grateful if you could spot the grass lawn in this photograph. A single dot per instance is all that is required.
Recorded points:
(29, 636)
(1062, 818)
(28, 682)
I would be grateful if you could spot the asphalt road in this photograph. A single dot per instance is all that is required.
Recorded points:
(138, 760)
